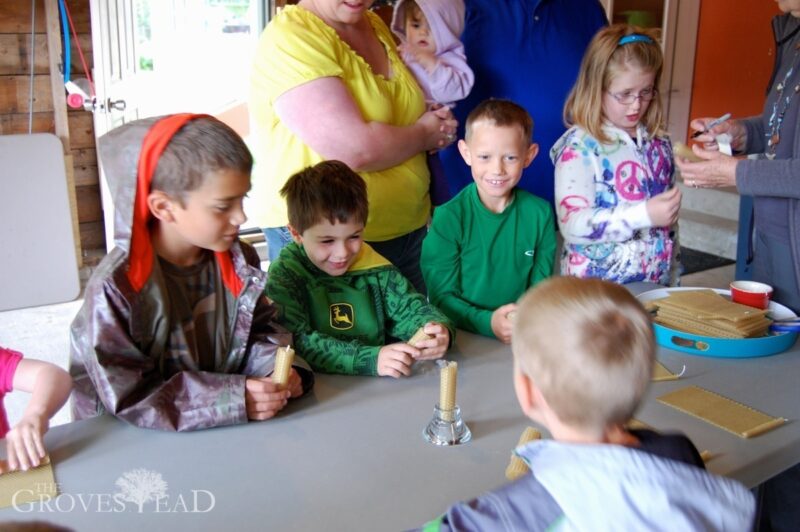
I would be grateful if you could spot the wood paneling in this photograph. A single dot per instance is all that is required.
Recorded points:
(15, 16)
(15, 94)
(15, 104)
(84, 157)
(81, 130)
(88, 207)
(15, 54)
(17, 124)
(86, 175)
(92, 236)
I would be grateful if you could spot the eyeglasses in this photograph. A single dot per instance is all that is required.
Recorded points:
(627, 98)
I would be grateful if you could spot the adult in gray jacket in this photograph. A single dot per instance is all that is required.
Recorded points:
(774, 182)
(774, 178)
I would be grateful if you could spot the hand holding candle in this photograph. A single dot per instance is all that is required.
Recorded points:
(419, 336)
(283, 365)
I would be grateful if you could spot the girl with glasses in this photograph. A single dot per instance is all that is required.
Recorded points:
(615, 197)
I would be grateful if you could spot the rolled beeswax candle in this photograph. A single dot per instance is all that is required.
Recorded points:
(419, 336)
(283, 363)
(517, 467)
(447, 390)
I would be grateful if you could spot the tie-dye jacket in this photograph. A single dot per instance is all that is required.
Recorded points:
(119, 358)
(600, 194)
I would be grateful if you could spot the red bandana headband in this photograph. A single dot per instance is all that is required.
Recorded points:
(140, 263)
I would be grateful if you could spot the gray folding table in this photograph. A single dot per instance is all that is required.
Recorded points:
(351, 456)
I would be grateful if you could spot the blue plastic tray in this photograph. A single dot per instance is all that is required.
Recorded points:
(708, 346)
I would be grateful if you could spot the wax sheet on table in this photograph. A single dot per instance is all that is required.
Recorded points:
(720, 411)
(661, 373)
(19, 487)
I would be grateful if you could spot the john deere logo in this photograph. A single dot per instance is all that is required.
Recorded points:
(342, 316)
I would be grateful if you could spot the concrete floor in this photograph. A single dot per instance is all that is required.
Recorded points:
(43, 333)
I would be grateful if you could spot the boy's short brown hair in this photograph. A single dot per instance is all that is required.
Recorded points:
(502, 113)
(201, 146)
(329, 190)
(588, 346)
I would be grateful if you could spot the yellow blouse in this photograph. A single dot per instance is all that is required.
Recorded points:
(297, 47)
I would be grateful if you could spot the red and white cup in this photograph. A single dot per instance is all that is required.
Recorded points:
(751, 293)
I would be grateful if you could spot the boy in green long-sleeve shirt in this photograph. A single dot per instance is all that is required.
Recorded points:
(340, 298)
(493, 241)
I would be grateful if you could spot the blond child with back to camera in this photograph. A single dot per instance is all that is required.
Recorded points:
(492, 241)
(615, 195)
(583, 359)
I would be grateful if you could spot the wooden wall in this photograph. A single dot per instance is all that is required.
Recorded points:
(15, 22)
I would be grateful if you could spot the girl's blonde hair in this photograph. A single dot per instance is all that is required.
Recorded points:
(604, 59)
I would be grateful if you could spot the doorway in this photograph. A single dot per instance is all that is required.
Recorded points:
(154, 57)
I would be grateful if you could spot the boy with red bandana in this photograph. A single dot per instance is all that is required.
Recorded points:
(175, 332)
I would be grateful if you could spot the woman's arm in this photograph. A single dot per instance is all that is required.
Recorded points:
(760, 177)
(326, 118)
(764, 177)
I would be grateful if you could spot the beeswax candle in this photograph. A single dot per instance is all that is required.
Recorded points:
(283, 363)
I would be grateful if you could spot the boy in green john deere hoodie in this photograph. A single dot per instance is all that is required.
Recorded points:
(340, 298)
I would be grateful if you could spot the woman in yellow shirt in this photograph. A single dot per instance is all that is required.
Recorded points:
(328, 84)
